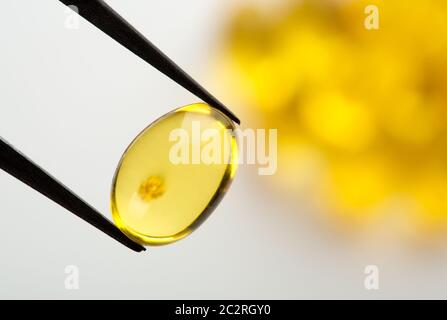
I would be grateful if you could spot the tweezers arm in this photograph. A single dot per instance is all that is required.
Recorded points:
(110, 22)
(20, 167)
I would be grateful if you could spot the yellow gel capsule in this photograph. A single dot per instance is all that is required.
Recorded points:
(174, 174)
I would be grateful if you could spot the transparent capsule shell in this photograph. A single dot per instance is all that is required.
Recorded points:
(174, 174)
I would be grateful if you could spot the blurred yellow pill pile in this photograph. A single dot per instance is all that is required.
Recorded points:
(361, 114)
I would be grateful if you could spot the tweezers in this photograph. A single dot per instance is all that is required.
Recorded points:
(24, 169)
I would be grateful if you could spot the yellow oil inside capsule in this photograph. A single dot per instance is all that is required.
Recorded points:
(174, 174)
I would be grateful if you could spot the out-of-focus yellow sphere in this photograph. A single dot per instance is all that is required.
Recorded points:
(362, 112)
